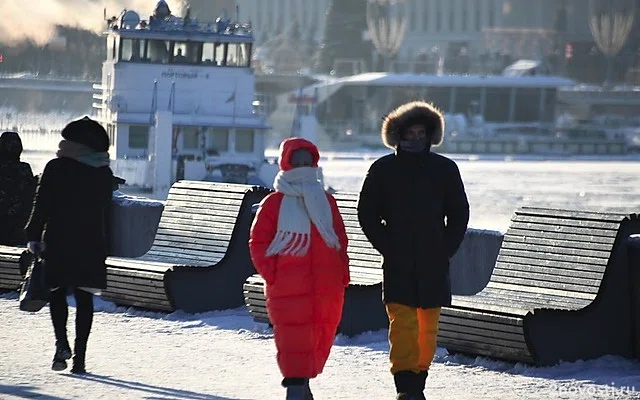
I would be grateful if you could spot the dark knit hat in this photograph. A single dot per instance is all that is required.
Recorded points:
(87, 132)
(10, 145)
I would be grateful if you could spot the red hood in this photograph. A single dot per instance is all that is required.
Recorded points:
(290, 145)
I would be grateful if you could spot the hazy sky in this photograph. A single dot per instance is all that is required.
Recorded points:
(24, 19)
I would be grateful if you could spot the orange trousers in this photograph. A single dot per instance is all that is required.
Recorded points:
(412, 337)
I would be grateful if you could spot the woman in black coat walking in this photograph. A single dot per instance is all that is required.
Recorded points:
(17, 185)
(68, 227)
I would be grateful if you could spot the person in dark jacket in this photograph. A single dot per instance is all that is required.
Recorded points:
(414, 210)
(68, 227)
(17, 186)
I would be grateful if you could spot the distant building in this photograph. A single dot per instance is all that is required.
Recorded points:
(475, 24)
(209, 10)
(272, 17)
(466, 36)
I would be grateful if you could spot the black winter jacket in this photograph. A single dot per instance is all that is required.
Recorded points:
(70, 207)
(414, 210)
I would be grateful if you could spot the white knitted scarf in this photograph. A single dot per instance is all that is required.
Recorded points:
(304, 202)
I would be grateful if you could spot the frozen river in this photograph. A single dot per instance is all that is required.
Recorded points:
(496, 186)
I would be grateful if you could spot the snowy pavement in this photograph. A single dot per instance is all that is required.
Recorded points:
(225, 355)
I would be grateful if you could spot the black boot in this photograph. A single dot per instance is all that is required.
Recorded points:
(78, 365)
(405, 384)
(79, 352)
(63, 353)
(421, 381)
(296, 392)
(409, 385)
(308, 394)
(296, 388)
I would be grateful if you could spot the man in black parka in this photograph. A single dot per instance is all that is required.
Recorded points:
(414, 210)
(68, 227)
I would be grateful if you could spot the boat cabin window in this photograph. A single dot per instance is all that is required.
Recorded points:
(466, 98)
(244, 140)
(159, 51)
(527, 107)
(189, 137)
(232, 55)
(138, 136)
(213, 54)
(217, 141)
(133, 50)
(497, 104)
(208, 54)
(185, 52)
(126, 50)
(221, 54)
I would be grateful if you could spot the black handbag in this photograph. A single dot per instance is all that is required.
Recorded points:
(34, 292)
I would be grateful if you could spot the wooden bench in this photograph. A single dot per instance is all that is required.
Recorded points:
(560, 290)
(199, 259)
(363, 309)
(13, 263)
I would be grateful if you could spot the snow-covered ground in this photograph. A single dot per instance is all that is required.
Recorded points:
(225, 355)
(136, 355)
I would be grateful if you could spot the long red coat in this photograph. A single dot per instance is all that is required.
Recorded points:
(304, 294)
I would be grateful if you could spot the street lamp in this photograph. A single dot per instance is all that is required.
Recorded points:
(387, 25)
(610, 22)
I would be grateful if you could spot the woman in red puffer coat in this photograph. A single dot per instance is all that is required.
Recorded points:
(299, 246)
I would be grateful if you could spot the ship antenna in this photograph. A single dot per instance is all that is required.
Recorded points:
(238, 13)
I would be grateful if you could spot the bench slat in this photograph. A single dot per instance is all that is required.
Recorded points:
(508, 260)
(603, 249)
(541, 290)
(527, 300)
(536, 272)
(553, 257)
(536, 285)
(465, 345)
(554, 221)
(225, 214)
(182, 245)
(564, 229)
(538, 248)
(188, 231)
(569, 237)
(207, 186)
(204, 196)
(138, 291)
(143, 282)
(552, 212)
(466, 302)
(491, 333)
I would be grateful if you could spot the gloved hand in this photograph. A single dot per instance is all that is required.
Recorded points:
(35, 247)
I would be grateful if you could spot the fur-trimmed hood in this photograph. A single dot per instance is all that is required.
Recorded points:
(415, 112)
